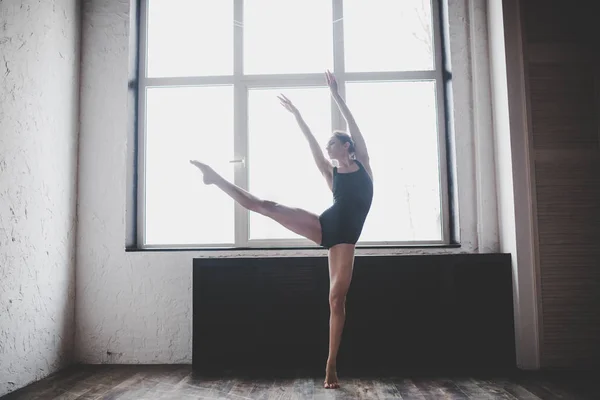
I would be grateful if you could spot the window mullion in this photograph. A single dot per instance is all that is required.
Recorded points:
(141, 127)
(240, 124)
(338, 61)
(441, 115)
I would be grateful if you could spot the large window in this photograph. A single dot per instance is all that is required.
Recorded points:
(210, 72)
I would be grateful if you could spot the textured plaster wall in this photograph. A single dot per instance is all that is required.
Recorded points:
(136, 307)
(39, 93)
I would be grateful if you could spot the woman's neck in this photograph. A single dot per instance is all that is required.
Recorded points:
(347, 163)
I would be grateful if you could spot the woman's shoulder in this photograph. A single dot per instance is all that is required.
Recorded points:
(366, 166)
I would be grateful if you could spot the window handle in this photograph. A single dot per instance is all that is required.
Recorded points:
(239, 161)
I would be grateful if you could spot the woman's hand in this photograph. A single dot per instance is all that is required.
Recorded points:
(331, 82)
(287, 104)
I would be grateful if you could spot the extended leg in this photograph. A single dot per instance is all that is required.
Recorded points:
(297, 220)
(341, 264)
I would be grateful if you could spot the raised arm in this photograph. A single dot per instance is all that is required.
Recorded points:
(359, 141)
(322, 163)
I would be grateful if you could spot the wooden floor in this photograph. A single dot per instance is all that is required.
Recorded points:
(178, 383)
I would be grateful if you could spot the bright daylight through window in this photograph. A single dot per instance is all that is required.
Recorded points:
(210, 72)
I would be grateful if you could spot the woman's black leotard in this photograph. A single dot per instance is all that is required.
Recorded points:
(352, 196)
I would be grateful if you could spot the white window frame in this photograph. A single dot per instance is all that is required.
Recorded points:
(241, 86)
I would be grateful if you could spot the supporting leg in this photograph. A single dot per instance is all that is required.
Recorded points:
(341, 264)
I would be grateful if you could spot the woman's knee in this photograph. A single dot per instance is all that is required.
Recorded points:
(337, 300)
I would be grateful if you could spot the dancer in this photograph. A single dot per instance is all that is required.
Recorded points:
(339, 227)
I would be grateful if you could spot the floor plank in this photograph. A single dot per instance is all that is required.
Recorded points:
(408, 390)
(178, 382)
(385, 389)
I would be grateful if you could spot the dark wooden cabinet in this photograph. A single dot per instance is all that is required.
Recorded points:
(404, 313)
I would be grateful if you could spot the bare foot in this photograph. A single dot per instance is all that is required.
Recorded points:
(209, 174)
(331, 379)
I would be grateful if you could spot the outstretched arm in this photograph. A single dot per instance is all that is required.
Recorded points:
(360, 145)
(322, 163)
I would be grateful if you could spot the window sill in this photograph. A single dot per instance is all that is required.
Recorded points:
(267, 249)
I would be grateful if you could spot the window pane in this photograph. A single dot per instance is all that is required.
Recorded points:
(190, 38)
(388, 35)
(399, 122)
(281, 166)
(184, 124)
(287, 36)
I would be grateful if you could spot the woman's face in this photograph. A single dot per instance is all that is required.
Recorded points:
(336, 149)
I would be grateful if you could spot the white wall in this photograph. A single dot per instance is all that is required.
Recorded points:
(136, 307)
(39, 90)
(513, 161)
